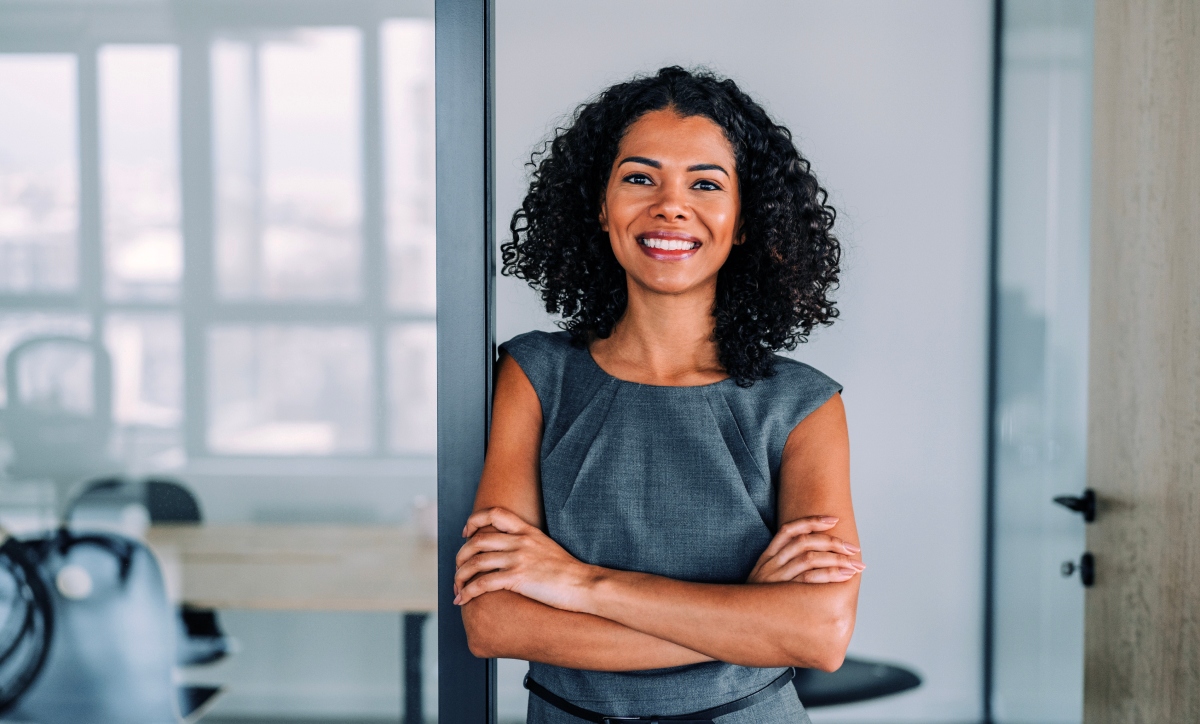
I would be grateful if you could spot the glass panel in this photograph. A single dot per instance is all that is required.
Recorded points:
(412, 388)
(147, 359)
(39, 173)
(1041, 414)
(289, 390)
(408, 146)
(139, 152)
(287, 150)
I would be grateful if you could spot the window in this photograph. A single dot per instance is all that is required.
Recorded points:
(309, 328)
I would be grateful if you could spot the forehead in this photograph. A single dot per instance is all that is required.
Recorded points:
(666, 136)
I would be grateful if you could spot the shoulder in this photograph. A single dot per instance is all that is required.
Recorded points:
(538, 342)
(797, 378)
(792, 391)
(540, 355)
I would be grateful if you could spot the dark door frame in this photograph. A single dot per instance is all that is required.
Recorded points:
(465, 325)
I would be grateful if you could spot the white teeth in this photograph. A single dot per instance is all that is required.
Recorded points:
(669, 244)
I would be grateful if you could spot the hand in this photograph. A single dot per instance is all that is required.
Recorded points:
(800, 552)
(506, 553)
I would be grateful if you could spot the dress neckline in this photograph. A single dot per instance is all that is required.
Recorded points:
(587, 353)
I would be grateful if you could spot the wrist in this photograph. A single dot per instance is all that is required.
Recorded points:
(593, 580)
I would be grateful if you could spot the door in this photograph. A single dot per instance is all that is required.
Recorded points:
(1143, 634)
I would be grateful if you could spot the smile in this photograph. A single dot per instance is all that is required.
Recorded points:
(668, 246)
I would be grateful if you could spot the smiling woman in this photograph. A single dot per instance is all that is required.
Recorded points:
(664, 524)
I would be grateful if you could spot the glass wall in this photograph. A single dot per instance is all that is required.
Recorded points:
(224, 216)
(1040, 419)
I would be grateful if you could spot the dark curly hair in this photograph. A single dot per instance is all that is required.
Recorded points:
(774, 288)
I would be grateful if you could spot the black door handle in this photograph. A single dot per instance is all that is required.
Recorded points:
(1086, 568)
(1085, 504)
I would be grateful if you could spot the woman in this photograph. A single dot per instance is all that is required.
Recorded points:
(664, 526)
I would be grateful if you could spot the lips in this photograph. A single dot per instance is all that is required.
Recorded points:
(668, 245)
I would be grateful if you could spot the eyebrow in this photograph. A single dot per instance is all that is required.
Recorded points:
(655, 164)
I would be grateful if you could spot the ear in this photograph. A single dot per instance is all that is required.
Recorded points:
(604, 215)
(739, 234)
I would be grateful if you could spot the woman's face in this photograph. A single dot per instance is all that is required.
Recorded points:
(671, 207)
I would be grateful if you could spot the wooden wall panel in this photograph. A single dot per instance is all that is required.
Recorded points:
(1143, 615)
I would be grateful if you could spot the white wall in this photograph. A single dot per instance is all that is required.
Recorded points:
(891, 103)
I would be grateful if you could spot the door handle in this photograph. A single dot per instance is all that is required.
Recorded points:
(1084, 504)
(1086, 567)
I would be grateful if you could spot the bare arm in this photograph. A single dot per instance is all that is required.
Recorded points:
(506, 624)
(763, 624)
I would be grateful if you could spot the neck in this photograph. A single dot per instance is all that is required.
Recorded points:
(663, 339)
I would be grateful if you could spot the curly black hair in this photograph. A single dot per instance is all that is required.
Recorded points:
(773, 289)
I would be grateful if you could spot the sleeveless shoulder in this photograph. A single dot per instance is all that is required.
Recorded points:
(795, 390)
(541, 355)
(544, 358)
(770, 409)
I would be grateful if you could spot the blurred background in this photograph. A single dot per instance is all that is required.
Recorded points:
(217, 271)
(233, 203)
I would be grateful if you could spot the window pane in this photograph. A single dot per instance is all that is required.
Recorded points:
(412, 388)
(147, 354)
(409, 153)
(289, 390)
(139, 152)
(286, 120)
(39, 173)
(17, 327)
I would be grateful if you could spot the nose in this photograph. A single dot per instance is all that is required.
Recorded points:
(671, 204)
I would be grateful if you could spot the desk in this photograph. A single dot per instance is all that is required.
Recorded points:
(307, 568)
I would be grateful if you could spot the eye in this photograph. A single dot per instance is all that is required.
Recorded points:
(638, 178)
(706, 185)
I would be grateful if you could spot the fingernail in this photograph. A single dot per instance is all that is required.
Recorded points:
(852, 548)
(858, 564)
(457, 600)
(847, 571)
(828, 519)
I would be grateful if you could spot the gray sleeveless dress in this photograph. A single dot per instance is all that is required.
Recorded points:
(673, 481)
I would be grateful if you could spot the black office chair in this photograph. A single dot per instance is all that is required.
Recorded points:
(201, 640)
(857, 680)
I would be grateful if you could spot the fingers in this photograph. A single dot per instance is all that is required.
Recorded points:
(481, 563)
(501, 519)
(827, 575)
(798, 527)
(498, 581)
(816, 560)
(485, 542)
(814, 542)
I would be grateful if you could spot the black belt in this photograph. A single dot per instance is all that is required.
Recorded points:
(705, 716)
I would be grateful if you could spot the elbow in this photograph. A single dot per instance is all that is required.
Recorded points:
(828, 650)
(479, 620)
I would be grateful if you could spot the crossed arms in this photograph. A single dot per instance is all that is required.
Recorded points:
(524, 597)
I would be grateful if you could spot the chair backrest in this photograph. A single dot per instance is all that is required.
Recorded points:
(165, 501)
(59, 406)
(111, 658)
(170, 502)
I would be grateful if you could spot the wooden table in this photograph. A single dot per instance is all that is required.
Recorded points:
(307, 568)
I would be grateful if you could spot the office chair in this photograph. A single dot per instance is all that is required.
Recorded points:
(59, 409)
(201, 640)
(110, 658)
